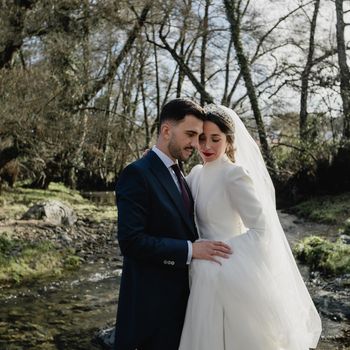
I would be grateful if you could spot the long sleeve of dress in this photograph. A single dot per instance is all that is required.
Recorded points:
(244, 200)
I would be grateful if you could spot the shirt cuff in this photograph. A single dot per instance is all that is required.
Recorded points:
(189, 255)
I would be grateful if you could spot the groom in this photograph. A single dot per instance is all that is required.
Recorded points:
(155, 232)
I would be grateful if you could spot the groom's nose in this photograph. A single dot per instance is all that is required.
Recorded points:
(195, 142)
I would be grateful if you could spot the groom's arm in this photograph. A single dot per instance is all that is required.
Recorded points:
(133, 212)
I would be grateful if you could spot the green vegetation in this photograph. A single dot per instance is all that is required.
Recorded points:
(331, 258)
(322, 254)
(15, 202)
(327, 209)
(346, 227)
(21, 260)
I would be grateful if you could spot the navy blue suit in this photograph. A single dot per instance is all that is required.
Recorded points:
(153, 229)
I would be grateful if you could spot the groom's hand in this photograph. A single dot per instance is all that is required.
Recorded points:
(210, 250)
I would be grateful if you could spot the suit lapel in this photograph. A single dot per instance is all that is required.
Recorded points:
(163, 176)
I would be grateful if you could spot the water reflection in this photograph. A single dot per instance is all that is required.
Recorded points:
(60, 315)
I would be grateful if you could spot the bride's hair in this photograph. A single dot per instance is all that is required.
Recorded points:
(227, 128)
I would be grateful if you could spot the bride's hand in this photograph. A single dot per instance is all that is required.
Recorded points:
(145, 152)
(210, 250)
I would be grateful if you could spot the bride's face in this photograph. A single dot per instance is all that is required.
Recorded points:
(212, 142)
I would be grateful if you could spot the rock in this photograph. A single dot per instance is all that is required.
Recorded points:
(345, 239)
(66, 239)
(105, 338)
(53, 211)
(333, 306)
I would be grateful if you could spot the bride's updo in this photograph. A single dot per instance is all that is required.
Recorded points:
(219, 117)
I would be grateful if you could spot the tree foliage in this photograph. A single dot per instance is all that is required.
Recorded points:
(82, 83)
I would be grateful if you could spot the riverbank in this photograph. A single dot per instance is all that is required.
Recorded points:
(64, 310)
(327, 252)
(33, 249)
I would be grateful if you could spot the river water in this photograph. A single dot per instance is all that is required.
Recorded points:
(61, 314)
(67, 313)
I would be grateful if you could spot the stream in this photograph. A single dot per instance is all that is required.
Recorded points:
(67, 313)
(61, 314)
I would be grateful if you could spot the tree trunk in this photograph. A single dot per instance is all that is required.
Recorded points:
(303, 128)
(8, 154)
(344, 71)
(157, 81)
(181, 75)
(99, 84)
(234, 17)
(225, 100)
(204, 46)
(14, 39)
(144, 103)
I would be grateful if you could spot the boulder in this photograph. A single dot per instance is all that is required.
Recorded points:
(105, 338)
(52, 211)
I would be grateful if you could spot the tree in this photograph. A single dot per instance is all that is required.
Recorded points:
(344, 70)
(234, 13)
(306, 74)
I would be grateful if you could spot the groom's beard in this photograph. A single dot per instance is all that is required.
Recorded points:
(177, 152)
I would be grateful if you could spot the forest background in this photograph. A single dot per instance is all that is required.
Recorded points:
(82, 84)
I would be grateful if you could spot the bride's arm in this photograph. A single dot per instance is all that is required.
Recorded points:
(243, 199)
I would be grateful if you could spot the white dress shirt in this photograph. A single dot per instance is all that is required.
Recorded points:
(168, 162)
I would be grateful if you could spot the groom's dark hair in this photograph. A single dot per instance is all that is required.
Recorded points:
(176, 110)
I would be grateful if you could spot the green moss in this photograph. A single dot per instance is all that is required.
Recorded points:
(25, 196)
(331, 258)
(97, 213)
(326, 209)
(17, 201)
(71, 262)
(20, 260)
(345, 229)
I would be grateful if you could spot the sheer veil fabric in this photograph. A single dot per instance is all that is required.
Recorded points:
(303, 318)
(263, 301)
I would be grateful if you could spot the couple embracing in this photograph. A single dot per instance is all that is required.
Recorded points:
(206, 263)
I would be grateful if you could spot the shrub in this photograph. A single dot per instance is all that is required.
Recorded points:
(331, 258)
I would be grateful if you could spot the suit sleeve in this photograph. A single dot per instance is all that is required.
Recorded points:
(134, 239)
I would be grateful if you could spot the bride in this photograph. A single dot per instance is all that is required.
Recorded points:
(256, 299)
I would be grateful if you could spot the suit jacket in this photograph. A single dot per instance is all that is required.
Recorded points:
(153, 229)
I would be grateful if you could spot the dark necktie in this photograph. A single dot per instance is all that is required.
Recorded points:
(184, 189)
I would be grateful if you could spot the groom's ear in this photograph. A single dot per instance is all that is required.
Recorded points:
(165, 130)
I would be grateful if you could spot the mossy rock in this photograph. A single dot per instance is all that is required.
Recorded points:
(346, 227)
(331, 258)
(21, 260)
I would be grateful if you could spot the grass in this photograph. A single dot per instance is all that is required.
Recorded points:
(333, 210)
(330, 258)
(321, 254)
(21, 260)
(15, 202)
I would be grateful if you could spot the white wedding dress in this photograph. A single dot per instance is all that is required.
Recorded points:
(240, 304)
